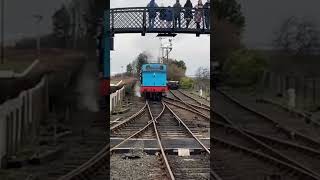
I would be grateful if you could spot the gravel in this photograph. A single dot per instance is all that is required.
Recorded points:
(140, 168)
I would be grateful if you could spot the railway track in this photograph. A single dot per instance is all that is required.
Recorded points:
(301, 122)
(284, 145)
(177, 100)
(250, 146)
(253, 142)
(183, 96)
(167, 125)
(191, 167)
(131, 124)
(182, 104)
(160, 121)
(97, 166)
(232, 161)
(247, 153)
(201, 99)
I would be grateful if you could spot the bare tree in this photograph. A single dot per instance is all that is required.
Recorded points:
(203, 78)
(297, 36)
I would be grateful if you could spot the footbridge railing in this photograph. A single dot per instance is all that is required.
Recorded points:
(159, 20)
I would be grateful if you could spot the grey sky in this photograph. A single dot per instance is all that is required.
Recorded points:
(19, 21)
(263, 17)
(195, 51)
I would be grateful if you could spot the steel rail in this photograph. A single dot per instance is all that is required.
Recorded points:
(187, 104)
(201, 104)
(97, 160)
(304, 148)
(139, 131)
(131, 136)
(266, 157)
(160, 144)
(276, 152)
(299, 113)
(201, 97)
(271, 139)
(187, 128)
(310, 150)
(82, 171)
(190, 110)
(131, 118)
(215, 175)
(196, 106)
(282, 127)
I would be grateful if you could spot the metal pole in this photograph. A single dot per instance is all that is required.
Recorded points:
(2, 31)
(122, 72)
(167, 56)
(38, 41)
(38, 21)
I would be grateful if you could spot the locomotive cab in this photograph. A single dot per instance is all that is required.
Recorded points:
(153, 80)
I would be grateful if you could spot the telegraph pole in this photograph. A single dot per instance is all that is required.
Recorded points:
(2, 31)
(38, 21)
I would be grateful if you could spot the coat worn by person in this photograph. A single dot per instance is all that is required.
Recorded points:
(188, 10)
(177, 9)
(151, 9)
(169, 14)
(206, 10)
(198, 13)
(162, 15)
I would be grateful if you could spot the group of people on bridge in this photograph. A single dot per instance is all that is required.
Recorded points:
(169, 14)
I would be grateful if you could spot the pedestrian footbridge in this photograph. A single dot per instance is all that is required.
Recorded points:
(138, 20)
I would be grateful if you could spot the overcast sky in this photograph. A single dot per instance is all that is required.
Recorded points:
(19, 21)
(264, 17)
(195, 51)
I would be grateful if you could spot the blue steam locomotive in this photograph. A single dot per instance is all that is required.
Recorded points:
(153, 80)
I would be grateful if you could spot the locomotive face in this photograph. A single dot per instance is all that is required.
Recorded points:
(153, 80)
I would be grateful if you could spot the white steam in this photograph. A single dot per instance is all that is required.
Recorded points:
(137, 89)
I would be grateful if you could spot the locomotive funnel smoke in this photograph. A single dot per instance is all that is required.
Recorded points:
(137, 89)
(87, 87)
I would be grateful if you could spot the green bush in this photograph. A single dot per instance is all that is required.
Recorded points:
(244, 67)
(186, 83)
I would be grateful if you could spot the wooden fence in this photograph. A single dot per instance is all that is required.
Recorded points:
(116, 98)
(306, 88)
(20, 119)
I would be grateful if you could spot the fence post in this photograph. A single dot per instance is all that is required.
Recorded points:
(46, 92)
(10, 134)
(112, 19)
(3, 138)
(304, 91)
(14, 128)
(111, 103)
(144, 22)
(314, 93)
(279, 88)
(18, 139)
